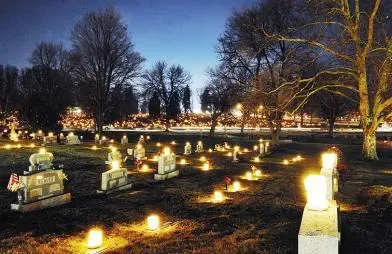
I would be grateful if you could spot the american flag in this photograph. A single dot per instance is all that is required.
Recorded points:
(13, 183)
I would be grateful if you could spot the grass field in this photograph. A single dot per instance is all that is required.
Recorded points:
(263, 218)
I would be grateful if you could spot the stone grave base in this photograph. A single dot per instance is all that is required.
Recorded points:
(120, 188)
(42, 204)
(161, 177)
(319, 232)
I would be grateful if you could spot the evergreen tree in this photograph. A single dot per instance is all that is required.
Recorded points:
(174, 106)
(154, 106)
(186, 99)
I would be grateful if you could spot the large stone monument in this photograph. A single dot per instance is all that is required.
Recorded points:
(13, 135)
(319, 231)
(41, 187)
(72, 139)
(40, 161)
(115, 179)
(166, 166)
(187, 148)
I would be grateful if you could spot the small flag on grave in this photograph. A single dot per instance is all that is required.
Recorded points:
(13, 183)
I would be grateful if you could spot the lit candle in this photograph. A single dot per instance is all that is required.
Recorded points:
(236, 186)
(218, 196)
(316, 191)
(183, 162)
(285, 162)
(95, 238)
(258, 173)
(153, 222)
(248, 175)
(94, 147)
(206, 166)
(115, 165)
(255, 148)
(202, 158)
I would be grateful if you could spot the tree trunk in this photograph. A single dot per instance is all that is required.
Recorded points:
(243, 124)
(331, 125)
(167, 120)
(302, 118)
(213, 125)
(369, 149)
(275, 133)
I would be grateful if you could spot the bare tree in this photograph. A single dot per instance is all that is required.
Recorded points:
(261, 63)
(217, 97)
(356, 37)
(103, 59)
(165, 82)
(8, 90)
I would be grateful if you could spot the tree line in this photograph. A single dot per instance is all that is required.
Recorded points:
(328, 56)
(100, 72)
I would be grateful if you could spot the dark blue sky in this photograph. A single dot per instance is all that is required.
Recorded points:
(178, 31)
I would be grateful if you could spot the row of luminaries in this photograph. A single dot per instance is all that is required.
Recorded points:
(43, 185)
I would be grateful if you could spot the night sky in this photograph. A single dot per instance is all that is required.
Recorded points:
(178, 31)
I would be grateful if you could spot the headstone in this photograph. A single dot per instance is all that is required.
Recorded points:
(138, 153)
(124, 140)
(96, 138)
(41, 189)
(114, 180)
(262, 151)
(62, 138)
(166, 167)
(103, 141)
(267, 148)
(235, 153)
(38, 135)
(329, 171)
(50, 139)
(40, 161)
(199, 147)
(42, 186)
(187, 148)
(72, 139)
(114, 155)
(319, 231)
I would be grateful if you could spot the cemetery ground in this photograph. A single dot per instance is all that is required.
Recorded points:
(263, 218)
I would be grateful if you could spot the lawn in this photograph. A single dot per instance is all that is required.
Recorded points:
(263, 218)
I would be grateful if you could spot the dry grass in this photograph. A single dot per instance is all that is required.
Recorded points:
(263, 218)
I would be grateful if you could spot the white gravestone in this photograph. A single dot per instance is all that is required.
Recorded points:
(50, 139)
(187, 148)
(124, 140)
(62, 138)
(262, 151)
(267, 148)
(138, 153)
(38, 136)
(41, 160)
(72, 139)
(96, 138)
(235, 153)
(166, 167)
(329, 171)
(114, 155)
(199, 147)
(114, 180)
(41, 189)
(319, 231)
